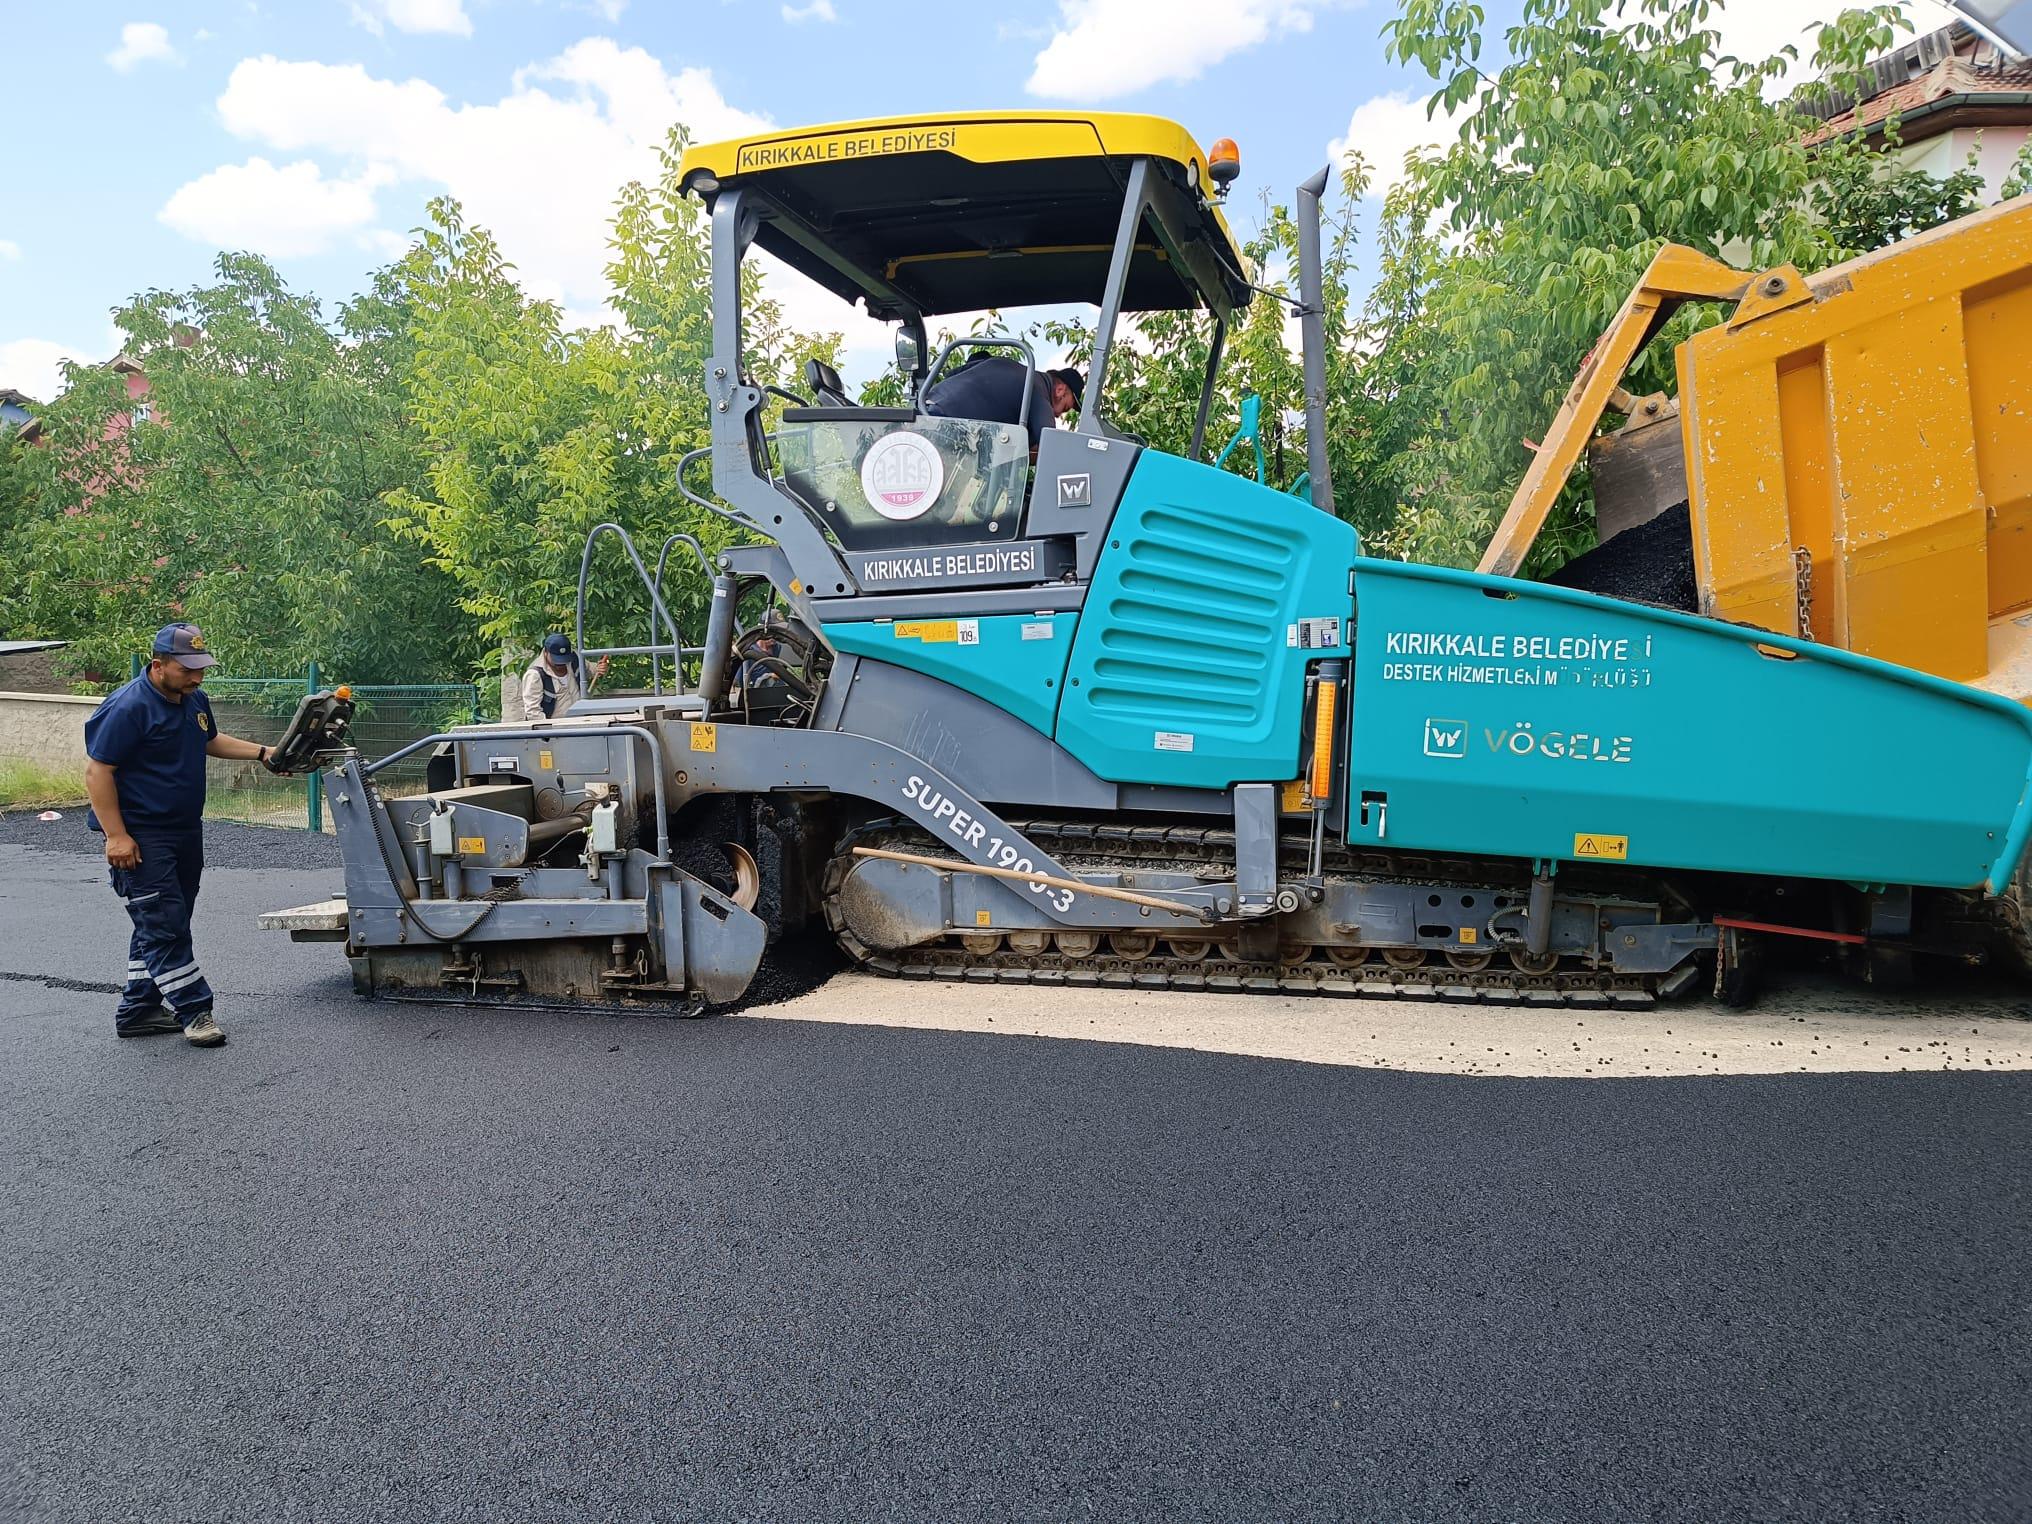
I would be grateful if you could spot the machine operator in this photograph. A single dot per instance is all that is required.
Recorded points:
(990, 388)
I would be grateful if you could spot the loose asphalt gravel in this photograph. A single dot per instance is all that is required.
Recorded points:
(376, 1262)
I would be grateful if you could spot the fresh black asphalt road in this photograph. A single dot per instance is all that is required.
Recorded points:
(373, 1262)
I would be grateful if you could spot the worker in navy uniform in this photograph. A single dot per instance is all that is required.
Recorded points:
(990, 388)
(145, 747)
(556, 680)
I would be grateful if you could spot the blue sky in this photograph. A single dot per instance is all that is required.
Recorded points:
(314, 131)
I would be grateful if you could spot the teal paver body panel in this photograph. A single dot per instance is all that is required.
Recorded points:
(1510, 718)
(1183, 672)
(1015, 661)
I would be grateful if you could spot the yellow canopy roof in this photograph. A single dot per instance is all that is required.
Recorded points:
(968, 210)
(980, 137)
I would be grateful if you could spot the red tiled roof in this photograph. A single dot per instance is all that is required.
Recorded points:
(1949, 79)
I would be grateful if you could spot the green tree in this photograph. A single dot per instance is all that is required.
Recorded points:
(1599, 130)
(17, 515)
(537, 433)
(251, 500)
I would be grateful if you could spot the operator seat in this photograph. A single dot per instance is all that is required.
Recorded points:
(824, 382)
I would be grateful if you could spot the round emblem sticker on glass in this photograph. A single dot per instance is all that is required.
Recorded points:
(902, 474)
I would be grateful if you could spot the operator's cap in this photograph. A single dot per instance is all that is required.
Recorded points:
(1074, 383)
(185, 643)
(557, 643)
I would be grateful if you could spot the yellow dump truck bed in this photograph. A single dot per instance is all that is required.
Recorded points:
(1857, 445)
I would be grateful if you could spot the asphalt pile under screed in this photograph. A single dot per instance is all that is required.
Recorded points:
(1651, 563)
(228, 844)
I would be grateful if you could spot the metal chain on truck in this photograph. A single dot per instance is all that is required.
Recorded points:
(1190, 960)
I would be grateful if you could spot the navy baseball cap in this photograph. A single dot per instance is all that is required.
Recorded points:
(557, 644)
(186, 644)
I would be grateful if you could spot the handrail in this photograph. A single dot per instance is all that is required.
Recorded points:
(535, 733)
(984, 341)
(655, 602)
(656, 590)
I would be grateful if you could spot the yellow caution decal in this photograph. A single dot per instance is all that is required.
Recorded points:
(1601, 847)
(543, 759)
(705, 737)
(474, 844)
(983, 918)
(939, 632)
(1293, 801)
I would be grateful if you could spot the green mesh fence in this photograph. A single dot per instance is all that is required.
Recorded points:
(386, 716)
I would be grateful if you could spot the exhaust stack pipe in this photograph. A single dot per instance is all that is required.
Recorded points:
(1312, 338)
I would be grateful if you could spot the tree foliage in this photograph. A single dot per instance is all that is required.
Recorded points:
(1599, 130)
(249, 498)
(535, 434)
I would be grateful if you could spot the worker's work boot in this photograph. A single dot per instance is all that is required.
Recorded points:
(155, 1024)
(204, 1032)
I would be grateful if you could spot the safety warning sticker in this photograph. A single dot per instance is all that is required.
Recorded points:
(1602, 847)
(705, 737)
(939, 632)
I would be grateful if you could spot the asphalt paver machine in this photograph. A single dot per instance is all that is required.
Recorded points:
(1121, 717)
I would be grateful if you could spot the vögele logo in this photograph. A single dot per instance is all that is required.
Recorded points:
(1446, 738)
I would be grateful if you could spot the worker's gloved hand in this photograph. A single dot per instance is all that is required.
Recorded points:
(268, 761)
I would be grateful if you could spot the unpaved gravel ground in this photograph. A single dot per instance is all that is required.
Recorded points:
(228, 844)
(1811, 1026)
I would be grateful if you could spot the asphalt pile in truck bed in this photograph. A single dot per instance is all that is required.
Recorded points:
(1651, 563)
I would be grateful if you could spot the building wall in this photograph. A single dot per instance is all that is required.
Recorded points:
(45, 728)
(1995, 148)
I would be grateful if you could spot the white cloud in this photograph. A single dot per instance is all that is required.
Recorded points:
(31, 366)
(447, 17)
(9, 249)
(142, 42)
(817, 10)
(385, 242)
(1384, 129)
(1107, 48)
(540, 167)
(278, 211)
